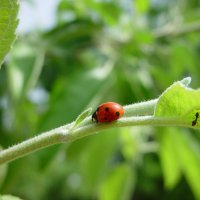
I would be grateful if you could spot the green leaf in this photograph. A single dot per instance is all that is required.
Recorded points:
(119, 185)
(180, 154)
(94, 169)
(180, 102)
(82, 116)
(128, 144)
(8, 25)
(9, 197)
(168, 155)
(189, 157)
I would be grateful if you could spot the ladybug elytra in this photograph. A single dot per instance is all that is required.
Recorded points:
(108, 112)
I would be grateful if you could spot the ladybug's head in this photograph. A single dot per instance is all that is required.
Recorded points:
(94, 117)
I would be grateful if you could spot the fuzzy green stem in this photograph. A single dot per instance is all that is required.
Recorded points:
(43, 140)
(69, 133)
(126, 121)
(142, 108)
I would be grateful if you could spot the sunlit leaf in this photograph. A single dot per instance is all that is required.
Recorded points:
(189, 157)
(129, 146)
(8, 24)
(180, 155)
(94, 169)
(181, 102)
(169, 157)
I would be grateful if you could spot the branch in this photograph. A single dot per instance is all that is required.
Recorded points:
(68, 134)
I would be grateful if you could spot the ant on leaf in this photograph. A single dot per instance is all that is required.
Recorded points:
(194, 122)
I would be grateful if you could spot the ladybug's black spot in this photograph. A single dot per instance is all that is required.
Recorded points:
(105, 118)
(106, 109)
(117, 113)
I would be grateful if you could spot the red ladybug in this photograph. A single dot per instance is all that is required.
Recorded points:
(108, 112)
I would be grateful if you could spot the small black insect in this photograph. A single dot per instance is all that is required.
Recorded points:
(194, 122)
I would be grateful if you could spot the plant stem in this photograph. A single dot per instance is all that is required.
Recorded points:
(38, 142)
(126, 121)
(68, 134)
(142, 108)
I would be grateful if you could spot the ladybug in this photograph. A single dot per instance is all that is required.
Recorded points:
(108, 112)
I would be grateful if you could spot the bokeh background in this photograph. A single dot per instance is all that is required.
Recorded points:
(71, 55)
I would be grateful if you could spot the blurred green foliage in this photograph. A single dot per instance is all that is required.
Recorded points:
(123, 51)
